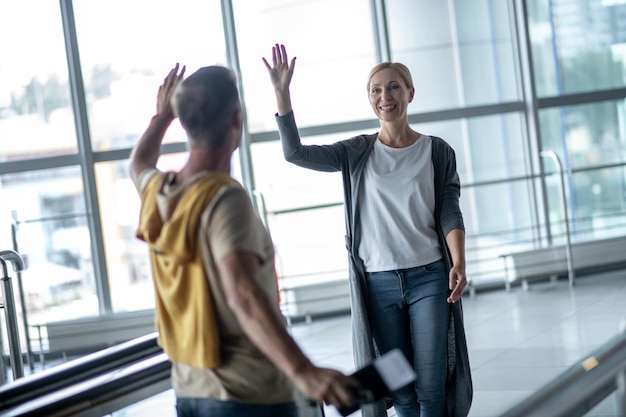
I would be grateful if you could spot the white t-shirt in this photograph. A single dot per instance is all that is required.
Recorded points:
(397, 203)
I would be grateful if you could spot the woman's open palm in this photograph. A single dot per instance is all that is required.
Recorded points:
(281, 69)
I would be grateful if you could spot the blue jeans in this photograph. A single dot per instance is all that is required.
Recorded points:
(209, 407)
(408, 310)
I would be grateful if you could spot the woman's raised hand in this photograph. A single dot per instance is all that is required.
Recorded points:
(281, 69)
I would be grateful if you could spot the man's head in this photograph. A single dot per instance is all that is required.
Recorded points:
(207, 105)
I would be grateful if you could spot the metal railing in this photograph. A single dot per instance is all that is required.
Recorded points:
(8, 302)
(75, 371)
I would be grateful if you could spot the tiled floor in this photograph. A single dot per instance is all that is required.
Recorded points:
(518, 340)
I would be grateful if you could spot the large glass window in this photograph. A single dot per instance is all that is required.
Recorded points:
(461, 53)
(496, 194)
(127, 48)
(303, 210)
(43, 218)
(334, 45)
(35, 109)
(578, 45)
(586, 135)
(590, 141)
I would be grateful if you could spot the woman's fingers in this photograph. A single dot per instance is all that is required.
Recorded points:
(283, 57)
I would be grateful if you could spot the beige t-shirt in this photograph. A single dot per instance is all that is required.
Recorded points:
(230, 224)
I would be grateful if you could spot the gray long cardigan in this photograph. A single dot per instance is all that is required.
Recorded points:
(349, 156)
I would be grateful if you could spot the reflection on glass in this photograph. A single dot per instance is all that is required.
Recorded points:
(599, 204)
(329, 83)
(584, 137)
(498, 220)
(308, 201)
(487, 148)
(46, 211)
(35, 110)
(123, 64)
(577, 45)
(464, 55)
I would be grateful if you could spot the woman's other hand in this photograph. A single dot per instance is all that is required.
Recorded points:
(458, 282)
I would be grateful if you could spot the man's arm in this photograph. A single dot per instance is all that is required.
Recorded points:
(146, 152)
(266, 329)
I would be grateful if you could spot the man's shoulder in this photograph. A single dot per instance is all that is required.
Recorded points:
(231, 199)
(144, 178)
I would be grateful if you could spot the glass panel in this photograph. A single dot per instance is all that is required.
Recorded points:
(498, 214)
(463, 55)
(586, 135)
(127, 259)
(316, 253)
(329, 83)
(45, 210)
(487, 148)
(500, 222)
(285, 186)
(577, 46)
(35, 109)
(303, 210)
(123, 66)
(599, 204)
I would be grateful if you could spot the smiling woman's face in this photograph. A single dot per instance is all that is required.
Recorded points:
(389, 95)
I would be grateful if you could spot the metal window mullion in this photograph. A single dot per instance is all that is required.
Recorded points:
(79, 103)
(381, 31)
(520, 20)
(232, 57)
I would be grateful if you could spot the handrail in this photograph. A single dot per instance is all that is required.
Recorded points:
(14, 258)
(580, 388)
(568, 245)
(101, 394)
(15, 351)
(66, 374)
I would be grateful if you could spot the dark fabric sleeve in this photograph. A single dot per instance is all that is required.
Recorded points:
(459, 386)
(450, 211)
(327, 158)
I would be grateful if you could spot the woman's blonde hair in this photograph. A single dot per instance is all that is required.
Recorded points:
(402, 70)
